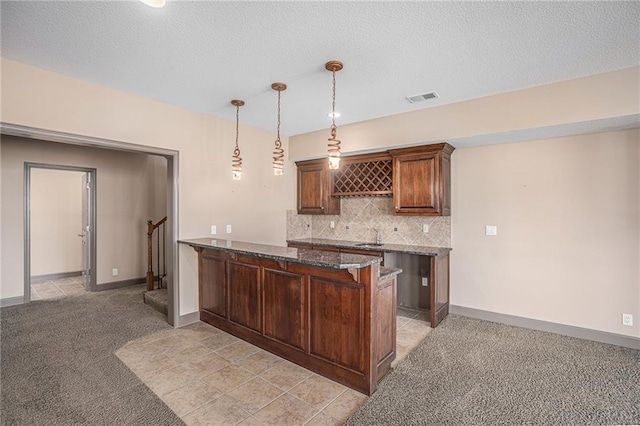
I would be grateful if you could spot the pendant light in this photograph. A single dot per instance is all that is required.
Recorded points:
(236, 162)
(278, 153)
(334, 144)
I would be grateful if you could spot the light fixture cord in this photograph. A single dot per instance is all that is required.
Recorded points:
(236, 162)
(278, 143)
(237, 119)
(333, 107)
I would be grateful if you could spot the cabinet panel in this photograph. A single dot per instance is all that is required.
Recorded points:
(284, 299)
(418, 189)
(213, 294)
(244, 295)
(314, 188)
(337, 322)
(422, 180)
(385, 325)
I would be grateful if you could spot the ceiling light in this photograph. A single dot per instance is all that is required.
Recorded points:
(236, 162)
(154, 3)
(334, 144)
(278, 153)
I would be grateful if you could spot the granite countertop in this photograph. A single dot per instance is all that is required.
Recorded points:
(386, 273)
(392, 248)
(323, 259)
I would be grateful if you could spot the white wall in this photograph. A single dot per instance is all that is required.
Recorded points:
(568, 218)
(255, 206)
(56, 220)
(131, 189)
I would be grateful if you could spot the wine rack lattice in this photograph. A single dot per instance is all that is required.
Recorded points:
(366, 178)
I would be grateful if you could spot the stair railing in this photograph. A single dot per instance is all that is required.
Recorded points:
(151, 277)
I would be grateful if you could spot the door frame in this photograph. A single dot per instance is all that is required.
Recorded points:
(173, 161)
(27, 221)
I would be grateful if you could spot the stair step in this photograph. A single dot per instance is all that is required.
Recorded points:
(158, 299)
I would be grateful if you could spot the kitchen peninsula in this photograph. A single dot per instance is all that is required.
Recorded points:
(333, 313)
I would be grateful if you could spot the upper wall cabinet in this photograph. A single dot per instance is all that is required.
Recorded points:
(314, 188)
(422, 180)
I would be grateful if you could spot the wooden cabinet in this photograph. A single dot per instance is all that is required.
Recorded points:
(327, 320)
(314, 188)
(422, 180)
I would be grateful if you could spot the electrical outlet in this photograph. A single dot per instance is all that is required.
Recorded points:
(114, 272)
(491, 230)
(214, 230)
(332, 224)
(425, 228)
(228, 229)
(627, 319)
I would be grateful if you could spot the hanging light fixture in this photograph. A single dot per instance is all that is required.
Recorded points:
(236, 162)
(334, 144)
(278, 153)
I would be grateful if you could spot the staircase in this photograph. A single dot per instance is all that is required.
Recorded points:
(158, 298)
(156, 294)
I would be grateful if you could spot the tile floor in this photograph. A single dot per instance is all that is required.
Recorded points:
(56, 288)
(209, 377)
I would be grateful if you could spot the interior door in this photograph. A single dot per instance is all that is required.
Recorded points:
(86, 230)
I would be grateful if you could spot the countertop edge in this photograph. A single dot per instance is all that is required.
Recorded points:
(278, 257)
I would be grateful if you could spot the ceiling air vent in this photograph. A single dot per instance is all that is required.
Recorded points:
(422, 97)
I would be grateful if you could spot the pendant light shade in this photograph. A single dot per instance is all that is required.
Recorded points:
(334, 143)
(278, 153)
(236, 162)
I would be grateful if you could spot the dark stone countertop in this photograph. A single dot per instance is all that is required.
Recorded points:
(392, 248)
(323, 259)
(386, 273)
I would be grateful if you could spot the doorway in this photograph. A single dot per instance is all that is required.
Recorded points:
(60, 224)
(172, 157)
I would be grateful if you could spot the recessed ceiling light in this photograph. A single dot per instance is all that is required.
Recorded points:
(154, 3)
(334, 114)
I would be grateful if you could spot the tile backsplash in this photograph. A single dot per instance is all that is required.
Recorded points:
(361, 216)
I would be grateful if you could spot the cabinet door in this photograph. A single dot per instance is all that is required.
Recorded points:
(336, 313)
(244, 295)
(416, 189)
(213, 290)
(284, 307)
(314, 188)
(311, 190)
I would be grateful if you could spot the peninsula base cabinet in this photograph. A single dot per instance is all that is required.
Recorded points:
(340, 324)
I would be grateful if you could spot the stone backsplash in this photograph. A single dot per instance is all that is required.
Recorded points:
(361, 216)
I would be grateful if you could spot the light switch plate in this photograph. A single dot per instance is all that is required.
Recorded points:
(491, 230)
(228, 229)
(214, 230)
(332, 224)
(425, 228)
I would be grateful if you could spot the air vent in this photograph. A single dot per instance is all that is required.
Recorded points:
(422, 97)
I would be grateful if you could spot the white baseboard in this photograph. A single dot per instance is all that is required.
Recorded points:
(551, 327)
(11, 301)
(187, 319)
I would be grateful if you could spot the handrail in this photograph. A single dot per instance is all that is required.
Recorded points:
(151, 227)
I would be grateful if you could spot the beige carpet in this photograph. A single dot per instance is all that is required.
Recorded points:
(58, 362)
(472, 372)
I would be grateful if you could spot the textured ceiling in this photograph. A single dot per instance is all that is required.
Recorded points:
(200, 55)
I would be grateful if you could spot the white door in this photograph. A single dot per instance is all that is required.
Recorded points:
(86, 230)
